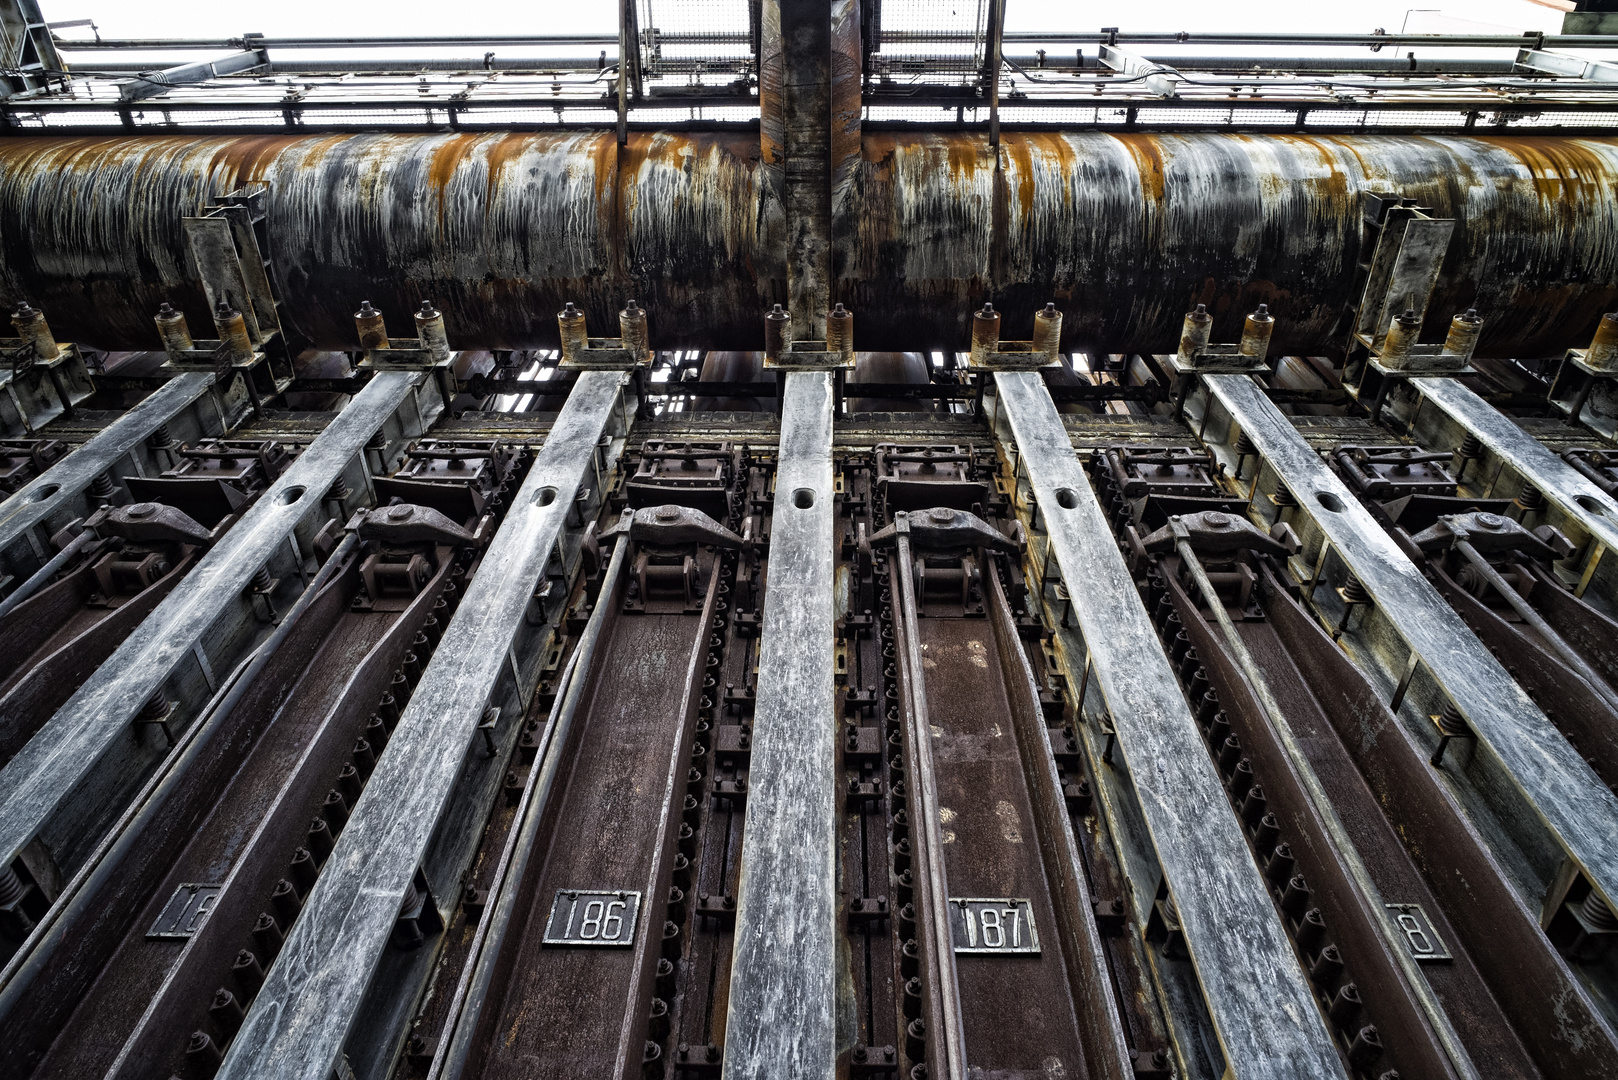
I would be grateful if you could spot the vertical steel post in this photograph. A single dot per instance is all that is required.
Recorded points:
(783, 985)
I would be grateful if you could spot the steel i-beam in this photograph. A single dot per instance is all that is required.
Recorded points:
(1254, 989)
(407, 818)
(58, 495)
(1562, 793)
(90, 756)
(782, 982)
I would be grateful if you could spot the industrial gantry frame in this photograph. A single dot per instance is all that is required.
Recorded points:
(747, 695)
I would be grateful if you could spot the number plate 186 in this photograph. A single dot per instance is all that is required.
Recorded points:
(593, 917)
(992, 925)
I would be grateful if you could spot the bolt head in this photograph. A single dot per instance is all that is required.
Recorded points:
(1490, 521)
(141, 510)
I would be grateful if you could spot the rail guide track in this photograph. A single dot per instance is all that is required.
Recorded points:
(1077, 711)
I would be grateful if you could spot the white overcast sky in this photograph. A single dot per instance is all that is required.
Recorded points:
(213, 18)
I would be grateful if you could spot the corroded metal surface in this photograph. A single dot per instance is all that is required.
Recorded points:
(1122, 230)
(1258, 998)
(781, 1020)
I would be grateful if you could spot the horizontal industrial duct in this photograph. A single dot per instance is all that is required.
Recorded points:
(1123, 231)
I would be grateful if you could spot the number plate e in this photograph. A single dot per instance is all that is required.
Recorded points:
(1417, 933)
(993, 925)
(593, 917)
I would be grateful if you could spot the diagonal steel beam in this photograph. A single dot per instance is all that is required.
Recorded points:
(71, 776)
(1255, 991)
(157, 83)
(1573, 494)
(1569, 801)
(57, 495)
(301, 1018)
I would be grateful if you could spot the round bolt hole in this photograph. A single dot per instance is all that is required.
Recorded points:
(546, 496)
(292, 494)
(1067, 498)
(1594, 505)
(1329, 501)
(46, 492)
(803, 498)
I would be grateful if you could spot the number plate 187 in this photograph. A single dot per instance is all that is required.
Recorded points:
(593, 917)
(992, 925)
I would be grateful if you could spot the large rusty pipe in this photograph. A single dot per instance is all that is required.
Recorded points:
(1125, 232)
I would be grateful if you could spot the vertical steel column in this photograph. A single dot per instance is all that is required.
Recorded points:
(991, 66)
(301, 1017)
(783, 987)
(809, 108)
(1256, 993)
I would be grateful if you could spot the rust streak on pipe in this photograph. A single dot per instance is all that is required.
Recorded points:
(1125, 232)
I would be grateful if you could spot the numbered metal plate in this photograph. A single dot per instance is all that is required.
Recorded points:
(994, 925)
(185, 911)
(593, 917)
(1417, 932)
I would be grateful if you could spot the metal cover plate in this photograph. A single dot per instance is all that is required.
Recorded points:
(1417, 931)
(593, 917)
(992, 924)
(182, 916)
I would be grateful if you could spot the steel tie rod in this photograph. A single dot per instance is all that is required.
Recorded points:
(1581, 669)
(782, 1023)
(1569, 799)
(1231, 927)
(473, 989)
(941, 952)
(300, 1020)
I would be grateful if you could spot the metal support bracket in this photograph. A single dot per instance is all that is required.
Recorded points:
(1576, 383)
(55, 497)
(1581, 508)
(39, 391)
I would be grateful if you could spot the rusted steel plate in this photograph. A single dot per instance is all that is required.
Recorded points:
(500, 229)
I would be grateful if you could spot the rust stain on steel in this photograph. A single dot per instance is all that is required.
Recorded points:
(1124, 231)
